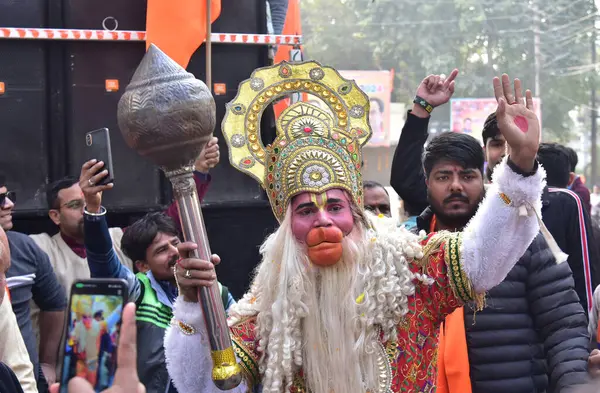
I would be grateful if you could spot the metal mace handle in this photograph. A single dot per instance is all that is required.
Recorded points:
(226, 373)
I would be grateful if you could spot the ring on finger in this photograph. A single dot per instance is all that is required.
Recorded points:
(187, 274)
(91, 182)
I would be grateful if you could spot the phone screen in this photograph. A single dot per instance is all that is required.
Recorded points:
(92, 332)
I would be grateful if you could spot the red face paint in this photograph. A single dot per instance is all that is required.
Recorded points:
(521, 122)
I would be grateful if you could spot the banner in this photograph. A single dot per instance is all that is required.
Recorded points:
(467, 115)
(378, 86)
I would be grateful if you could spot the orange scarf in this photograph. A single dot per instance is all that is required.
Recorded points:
(453, 357)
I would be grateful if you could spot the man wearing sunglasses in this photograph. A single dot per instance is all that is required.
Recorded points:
(7, 199)
(31, 277)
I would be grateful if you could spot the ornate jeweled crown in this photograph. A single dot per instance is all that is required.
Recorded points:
(315, 150)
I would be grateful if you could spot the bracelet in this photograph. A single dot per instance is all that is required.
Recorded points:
(423, 103)
(102, 212)
(519, 171)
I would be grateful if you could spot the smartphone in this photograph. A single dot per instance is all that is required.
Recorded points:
(92, 332)
(98, 146)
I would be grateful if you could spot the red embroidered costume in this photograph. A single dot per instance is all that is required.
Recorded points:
(410, 359)
(368, 322)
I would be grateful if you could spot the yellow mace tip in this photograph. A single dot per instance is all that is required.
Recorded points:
(360, 298)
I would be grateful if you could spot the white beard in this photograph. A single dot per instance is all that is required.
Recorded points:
(309, 318)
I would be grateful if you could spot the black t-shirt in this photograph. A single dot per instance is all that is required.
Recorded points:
(31, 276)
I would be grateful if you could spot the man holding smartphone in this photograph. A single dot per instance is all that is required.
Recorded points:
(66, 248)
(152, 243)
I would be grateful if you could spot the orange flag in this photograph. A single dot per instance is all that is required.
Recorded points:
(292, 26)
(178, 27)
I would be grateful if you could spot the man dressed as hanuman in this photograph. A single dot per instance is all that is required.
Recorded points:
(343, 301)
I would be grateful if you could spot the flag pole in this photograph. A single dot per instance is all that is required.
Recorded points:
(208, 47)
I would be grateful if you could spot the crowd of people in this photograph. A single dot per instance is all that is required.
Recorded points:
(490, 285)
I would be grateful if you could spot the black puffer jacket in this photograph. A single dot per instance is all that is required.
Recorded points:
(532, 335)
(567, 222)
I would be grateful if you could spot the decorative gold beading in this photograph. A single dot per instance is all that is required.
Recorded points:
(315, 150)
(225, 365)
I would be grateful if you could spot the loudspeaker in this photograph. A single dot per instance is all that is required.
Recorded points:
(232, 64)
(23, 109)
(96, 76)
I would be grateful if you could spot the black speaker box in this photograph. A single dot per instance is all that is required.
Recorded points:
(56, 92)
(23, 106)
(90, 106)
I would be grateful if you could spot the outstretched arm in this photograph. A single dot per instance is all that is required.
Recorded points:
(407, 177)
(507, 220)
(101, 256)
(481, 256)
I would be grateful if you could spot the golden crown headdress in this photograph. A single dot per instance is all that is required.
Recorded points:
(315, 150)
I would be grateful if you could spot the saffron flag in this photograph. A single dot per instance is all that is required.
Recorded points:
(178, 27)
(292, 26)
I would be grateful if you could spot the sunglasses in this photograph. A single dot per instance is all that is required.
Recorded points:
(8, 194)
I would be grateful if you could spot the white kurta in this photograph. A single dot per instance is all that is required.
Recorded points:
(13, 351)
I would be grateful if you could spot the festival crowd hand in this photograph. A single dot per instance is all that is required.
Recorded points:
(49, 372)
(436, 90)
(126, 377)
(517, 122)
(209, 157)
(192, 273)
(88, 181)
(594, 363)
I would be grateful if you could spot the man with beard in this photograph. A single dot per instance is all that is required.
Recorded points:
(153, 244)
(343, 301)
(453, 165)
(66, 250)
(561, 213)
(533, 316)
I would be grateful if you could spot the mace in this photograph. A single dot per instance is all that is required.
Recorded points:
(168, 116)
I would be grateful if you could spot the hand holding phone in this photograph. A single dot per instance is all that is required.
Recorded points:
(91, 173)
(92, 332)
(126, 376)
